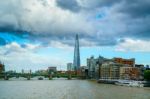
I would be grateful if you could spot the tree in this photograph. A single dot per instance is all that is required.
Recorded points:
(147, 75)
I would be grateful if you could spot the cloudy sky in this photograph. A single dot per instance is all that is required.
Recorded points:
(35, 34)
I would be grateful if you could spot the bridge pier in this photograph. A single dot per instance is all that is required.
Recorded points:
(50, 77)
(6, 77)
(28, 77)
(69, 76)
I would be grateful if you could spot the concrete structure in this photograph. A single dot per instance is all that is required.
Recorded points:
(141, 69)
(130, 62)
(91, 64)
(2, 67)
(110, 70)
(83, 72)
(94, 65)
(52, 70)
(76, 61)
(70, 67)
(129, 73)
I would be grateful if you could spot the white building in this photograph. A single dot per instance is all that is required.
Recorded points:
(70, 67)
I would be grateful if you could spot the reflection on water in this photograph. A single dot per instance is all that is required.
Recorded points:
(68, 89)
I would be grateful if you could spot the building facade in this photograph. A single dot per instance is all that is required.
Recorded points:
(141, 70)
(115, 68)
(94, 64)
(129, 73)
(110, 70)
(84, 72)
(130, 62)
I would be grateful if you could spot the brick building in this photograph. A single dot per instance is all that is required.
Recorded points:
(130, 62)
(131, 73)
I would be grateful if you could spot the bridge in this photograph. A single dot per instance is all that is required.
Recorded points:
(28, 76)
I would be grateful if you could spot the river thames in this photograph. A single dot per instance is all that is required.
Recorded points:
(68, 89)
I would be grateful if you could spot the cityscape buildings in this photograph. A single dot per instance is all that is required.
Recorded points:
(115, 68)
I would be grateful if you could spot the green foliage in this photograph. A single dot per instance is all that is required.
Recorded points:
(147, 75)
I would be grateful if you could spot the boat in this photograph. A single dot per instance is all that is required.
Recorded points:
(107, 81)
(40, 78)
(130, 83)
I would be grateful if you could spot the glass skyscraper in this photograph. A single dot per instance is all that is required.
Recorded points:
(76, 61)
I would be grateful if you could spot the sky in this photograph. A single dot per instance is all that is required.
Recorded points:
(37, 34)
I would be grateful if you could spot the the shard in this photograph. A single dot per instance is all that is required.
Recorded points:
(76, 61)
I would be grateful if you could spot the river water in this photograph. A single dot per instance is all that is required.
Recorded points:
(68, 89)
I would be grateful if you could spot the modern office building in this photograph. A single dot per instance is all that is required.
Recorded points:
(141, 69)
(76, 61)
(83, 72)
(94, 64)
(70, 67)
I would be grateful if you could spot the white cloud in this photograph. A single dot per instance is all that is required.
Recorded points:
(87, 43)
(134, 45)
(57, 44)
(32, 15)
(16, 57)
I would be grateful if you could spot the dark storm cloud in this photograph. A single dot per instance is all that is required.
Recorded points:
(99, 3)
(137, 27)
(7, 28)
(68, 5)
(135, 8)
(77, 5)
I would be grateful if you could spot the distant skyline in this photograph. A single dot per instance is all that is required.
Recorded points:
(36, 34)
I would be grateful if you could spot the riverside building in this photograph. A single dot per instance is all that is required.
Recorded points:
(130, 62)
(110, 70)
(129, 73)
(115, 68)
(94, 64)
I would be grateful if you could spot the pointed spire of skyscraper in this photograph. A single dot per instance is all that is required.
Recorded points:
(76, 61)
